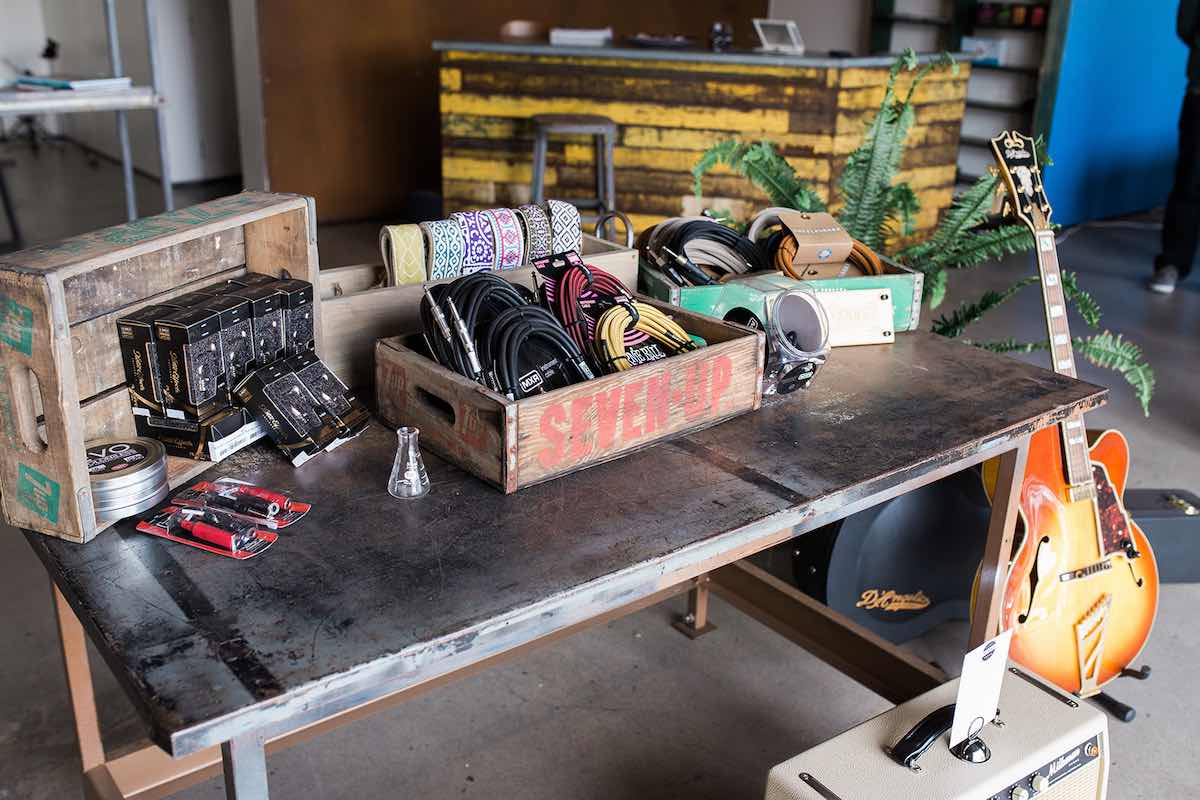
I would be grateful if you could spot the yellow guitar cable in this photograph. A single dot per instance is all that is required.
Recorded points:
(613, 324)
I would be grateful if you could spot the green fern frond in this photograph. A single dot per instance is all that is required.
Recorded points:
(933, 290)
(764, 167)
(974, 248)
(957, 321)
(968, 210)
(1011, 345)
(727, 151)
(1087, 306)
(902, 207)
(1106, 350)
(873, 208)
(1110, 351)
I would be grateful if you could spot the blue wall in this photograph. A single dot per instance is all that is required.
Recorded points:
(1113, 129)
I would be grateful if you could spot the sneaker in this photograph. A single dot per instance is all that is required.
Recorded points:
(1164, 280)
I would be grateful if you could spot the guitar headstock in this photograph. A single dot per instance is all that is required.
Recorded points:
(1016, 159)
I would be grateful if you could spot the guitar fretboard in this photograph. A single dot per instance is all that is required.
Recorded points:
(1074, 437)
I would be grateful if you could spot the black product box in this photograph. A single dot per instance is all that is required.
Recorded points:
(193, 299)
(250, 279)
(212, 439)
(191, 363)
(300, 428)
(237, 335)
(329, 393)
(266, 315)
(298, 331)
(139, 355)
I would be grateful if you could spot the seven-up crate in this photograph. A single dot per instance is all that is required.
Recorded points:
(61, 377)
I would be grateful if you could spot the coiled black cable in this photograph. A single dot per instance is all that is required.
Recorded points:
(480, 324)
(514, 330)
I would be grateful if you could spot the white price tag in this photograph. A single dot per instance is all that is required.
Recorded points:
(979, 687)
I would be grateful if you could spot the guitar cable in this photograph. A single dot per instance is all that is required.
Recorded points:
(781, 247)
(693, 250)
(512, 331)
(628, 315)
(480, 324)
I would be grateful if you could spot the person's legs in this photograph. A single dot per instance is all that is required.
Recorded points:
(1181, 224)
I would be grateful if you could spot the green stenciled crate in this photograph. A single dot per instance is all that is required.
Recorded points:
(905, 285)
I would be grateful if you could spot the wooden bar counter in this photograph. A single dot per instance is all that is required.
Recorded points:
(670, 106)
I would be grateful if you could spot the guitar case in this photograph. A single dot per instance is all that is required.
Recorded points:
(1170, 518)
(907, 565)
(904, 566)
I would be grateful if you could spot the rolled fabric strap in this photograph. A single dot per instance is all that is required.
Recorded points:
(510, 239)
(566, 228)
(403, 251)
(537, 231)
(479, 234)
(445, 249)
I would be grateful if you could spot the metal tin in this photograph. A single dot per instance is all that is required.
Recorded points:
(128, 476)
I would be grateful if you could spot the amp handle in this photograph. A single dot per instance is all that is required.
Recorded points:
(921, 736)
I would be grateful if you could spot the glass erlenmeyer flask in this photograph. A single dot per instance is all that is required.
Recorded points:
(408, 478)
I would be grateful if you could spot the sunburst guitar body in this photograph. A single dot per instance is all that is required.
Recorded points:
(1082, 589)
(1080, 607)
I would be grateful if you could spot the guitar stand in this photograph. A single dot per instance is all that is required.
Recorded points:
(1123, 712)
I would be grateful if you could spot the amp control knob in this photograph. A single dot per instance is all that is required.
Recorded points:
(1019, 793)
(1039, 782)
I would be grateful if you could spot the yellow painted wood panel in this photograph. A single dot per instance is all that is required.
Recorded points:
(675, 139)
(927, 92)
(858, 77)
(797, 73)
(494, 169)
(734, 91)
(769, 120)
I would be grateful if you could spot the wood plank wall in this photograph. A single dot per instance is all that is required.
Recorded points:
(350, 90)
(668, 113)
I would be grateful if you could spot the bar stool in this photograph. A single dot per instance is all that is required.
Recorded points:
(603, 132)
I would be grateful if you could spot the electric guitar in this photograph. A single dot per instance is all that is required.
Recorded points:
(1082, 590)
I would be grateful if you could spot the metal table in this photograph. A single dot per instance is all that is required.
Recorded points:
(371, 599)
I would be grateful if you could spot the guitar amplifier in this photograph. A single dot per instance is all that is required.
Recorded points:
(1050, 747)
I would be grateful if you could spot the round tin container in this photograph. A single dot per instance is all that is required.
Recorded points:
(128, 476)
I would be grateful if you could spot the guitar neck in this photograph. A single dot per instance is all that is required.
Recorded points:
(1074, 438)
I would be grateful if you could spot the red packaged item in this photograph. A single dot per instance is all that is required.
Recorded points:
(266, 507)
(209, 529)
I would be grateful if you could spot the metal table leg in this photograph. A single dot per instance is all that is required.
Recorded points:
(114, 57)
(160, 114)
(1001, 527)
(245, 764)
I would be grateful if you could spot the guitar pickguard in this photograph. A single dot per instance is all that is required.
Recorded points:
(1115, 534)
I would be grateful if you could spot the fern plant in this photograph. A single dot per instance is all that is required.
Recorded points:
(877, 210)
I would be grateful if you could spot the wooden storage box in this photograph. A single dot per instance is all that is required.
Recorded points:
(514, 444)
(61, 377)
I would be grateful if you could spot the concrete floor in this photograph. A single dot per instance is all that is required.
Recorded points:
(631, 709)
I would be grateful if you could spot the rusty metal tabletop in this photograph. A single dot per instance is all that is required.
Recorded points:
(370, 594)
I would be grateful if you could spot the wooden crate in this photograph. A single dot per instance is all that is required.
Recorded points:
(61, 377)
(517, 443)
(359, 310)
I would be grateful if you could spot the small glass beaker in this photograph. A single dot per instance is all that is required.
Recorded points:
(408, 478)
